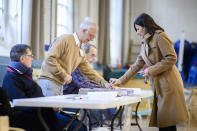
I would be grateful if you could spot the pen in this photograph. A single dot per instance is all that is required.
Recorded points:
(145, 79)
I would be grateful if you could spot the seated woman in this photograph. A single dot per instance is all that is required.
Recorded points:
(18, 83)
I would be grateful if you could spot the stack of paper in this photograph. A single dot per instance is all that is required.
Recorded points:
(104, 92)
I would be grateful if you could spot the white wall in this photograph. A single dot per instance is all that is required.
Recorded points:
(172, 15)
(115, 31)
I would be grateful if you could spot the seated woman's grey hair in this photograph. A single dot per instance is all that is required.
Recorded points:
(87, 46)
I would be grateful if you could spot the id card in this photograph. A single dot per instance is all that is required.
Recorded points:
(81, 52)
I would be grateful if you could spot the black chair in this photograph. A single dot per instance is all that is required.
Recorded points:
(5, 107)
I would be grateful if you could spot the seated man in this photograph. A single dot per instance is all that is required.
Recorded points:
(18, 83)
(79, 80)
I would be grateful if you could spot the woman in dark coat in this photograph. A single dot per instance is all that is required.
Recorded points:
(18, 84)
(157, 52)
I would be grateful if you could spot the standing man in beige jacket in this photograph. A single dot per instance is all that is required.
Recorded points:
(64, 56)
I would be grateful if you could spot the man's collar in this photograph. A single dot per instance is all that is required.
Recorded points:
(77, 40)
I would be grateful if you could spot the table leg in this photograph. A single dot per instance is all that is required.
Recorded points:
(71, 121)
(90, 122)
(120, 119)
(136, 117)
(115, 116)
(101, 118)
(98, 122)
(46, 128)
(81, 121)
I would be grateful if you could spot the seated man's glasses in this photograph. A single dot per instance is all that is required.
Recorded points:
(30, 55)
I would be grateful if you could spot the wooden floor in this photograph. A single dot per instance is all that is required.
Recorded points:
(179, 127)
(134, 128)
(144, 128)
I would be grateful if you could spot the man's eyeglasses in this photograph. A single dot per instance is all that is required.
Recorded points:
(92, 55)
(91, 35)
(31, 55)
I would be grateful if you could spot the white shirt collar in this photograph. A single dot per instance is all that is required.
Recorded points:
(77, 40)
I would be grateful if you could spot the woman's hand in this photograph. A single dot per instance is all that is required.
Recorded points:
(146, 73)
(109, 85)
(114, 81)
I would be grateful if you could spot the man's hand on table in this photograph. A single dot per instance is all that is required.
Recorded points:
(68, 79)
(114, 81)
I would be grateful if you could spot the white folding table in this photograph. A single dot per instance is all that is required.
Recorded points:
(77, 102)
(132, 92)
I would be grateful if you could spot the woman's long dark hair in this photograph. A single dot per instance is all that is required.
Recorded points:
(147, 21)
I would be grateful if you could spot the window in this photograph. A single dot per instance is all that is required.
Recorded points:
(1, 7)
(10, 23)
(1, 22)
(64, 17)
(115, 30)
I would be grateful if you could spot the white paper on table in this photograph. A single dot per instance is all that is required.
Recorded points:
(135, 90)
(109, 94)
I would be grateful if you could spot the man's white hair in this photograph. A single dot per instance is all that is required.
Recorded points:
(87, 23)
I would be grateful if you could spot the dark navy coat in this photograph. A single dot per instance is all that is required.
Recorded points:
(22, 86)
(19, 85)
